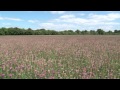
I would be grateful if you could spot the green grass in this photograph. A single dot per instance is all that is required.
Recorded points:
(60, 57)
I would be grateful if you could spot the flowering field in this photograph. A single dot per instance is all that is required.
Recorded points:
(60, 57)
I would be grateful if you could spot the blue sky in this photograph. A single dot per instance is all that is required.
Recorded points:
(61, 20)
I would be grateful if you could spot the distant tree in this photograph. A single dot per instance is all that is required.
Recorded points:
(53, 32)
(77, 31)
(84, 32)
(61, 33)
(2, 31)
(65, 32)
(43, 32)
(117, 32)
(29, 31)
(100, 31)
(70, 32)
(109, 32)
(93, 32)
(11, 31)
(37, 32)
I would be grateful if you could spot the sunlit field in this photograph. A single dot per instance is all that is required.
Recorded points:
(60, 57)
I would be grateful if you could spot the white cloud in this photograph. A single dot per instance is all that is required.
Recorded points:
(6, 23)
(1, 18)
(57, 26)
(14, 19)
(33, 21)
(92, 21)
(57, 12)
(112, 23)
(70, 19)
(7, 18)
(67, 16)
(107, 17)
(81, 14)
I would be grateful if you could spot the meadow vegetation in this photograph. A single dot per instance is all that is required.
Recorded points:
(60, 57)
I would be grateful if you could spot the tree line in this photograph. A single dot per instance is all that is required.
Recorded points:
(29, 31)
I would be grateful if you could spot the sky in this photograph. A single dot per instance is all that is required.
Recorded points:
(61, 20)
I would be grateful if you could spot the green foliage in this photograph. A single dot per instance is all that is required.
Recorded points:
(100, 32)
(92, 32)
(77, 32)
(29, 31)
(2, 32)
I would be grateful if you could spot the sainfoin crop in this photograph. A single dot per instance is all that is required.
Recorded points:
(60, 57)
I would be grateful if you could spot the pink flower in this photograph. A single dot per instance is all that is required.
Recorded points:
(2, 75)
(51, 77)
(10, 68)
(42, 75)
(10, 75)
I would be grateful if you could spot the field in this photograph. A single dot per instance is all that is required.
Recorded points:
(60, 57)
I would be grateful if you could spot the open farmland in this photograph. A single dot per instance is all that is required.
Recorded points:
(60, 57)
